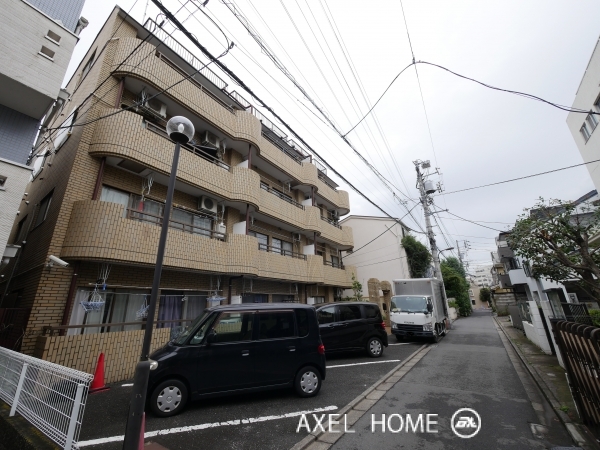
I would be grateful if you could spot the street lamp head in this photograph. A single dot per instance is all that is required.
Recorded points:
(180, 129)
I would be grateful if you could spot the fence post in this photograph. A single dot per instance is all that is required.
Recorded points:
(74, 417)
(13, 408)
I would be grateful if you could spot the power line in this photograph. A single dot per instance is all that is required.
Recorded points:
(262, 103)
(386, 230)
(475, 223)
(523, 178)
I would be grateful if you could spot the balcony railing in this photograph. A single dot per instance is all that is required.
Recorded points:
(191, 148)
(324, 179)
(142, 216)
(280, 251)
(331, 222)
(334, 265)
(185, 54)
(282, 196)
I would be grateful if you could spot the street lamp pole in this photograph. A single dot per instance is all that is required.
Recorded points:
(181, 131)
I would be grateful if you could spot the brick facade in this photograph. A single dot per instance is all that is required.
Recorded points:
(87, 232)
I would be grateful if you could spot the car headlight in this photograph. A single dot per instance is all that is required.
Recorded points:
(427, 327)
(153, 364)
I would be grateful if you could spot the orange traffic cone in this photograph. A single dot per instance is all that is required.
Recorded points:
(142, 432)
(98, 381)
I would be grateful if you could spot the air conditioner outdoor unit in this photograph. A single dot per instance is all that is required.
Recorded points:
(210, 140)
(335, 214)
(158, 107)
(207, 204)
(296, 236)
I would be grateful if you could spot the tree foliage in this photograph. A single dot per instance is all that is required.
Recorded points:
(485, 295)
(419, 258)
(456, 285)
(357, 288)
(554, 238)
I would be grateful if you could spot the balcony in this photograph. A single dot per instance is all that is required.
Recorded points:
(105, 231)
(504, 281)
(517, 276)
(280, 251)
(246, 125)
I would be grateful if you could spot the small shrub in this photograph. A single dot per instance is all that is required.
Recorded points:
(595, 314)
(453, 304)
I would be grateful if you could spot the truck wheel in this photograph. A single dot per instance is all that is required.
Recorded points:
(443, 328)
(436, 337)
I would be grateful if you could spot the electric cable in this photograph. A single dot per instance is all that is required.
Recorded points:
(386, 230)
(261, 102)
(524, 177)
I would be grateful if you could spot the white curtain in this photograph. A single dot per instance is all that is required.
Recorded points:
(115, 196)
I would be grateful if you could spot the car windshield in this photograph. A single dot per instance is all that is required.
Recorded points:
(179, 340)
(409, 304)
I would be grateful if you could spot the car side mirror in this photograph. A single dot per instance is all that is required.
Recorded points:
(211, 337)
(429, 307)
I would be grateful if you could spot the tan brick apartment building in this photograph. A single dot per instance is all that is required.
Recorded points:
(254, 219)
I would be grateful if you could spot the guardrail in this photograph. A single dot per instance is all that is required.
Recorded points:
(280, 251)
(331, 222)
(50, 396)
(579, 346)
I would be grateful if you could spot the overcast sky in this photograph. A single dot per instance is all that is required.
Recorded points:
(478, 136)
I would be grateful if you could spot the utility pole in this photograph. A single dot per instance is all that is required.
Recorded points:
(437, 271)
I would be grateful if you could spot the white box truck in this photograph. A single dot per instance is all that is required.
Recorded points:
(418, 309)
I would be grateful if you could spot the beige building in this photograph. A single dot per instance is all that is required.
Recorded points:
(254, 217)
(378, 249)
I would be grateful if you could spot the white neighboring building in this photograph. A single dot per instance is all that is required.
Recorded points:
(384, 258)
(482, 276)
(582, 126)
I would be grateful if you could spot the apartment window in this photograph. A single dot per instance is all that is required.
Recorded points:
(263, 240)
(585, 132)
(282, 247)
(20, 233)
(264, 186)
(527, 268)
(38, 163)
(47, 53)
(319, 300)
(335, 261)
(88, 65)
(113, 195)
(64, 131)
(473, 302)
(55, 38)
(43, 209)
(592, 121)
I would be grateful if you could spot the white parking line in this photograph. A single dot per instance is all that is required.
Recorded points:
(127, 384)
(402, 343)
(204, 426)
(363, 363)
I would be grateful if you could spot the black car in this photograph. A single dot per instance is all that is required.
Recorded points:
(352, 326)
(238, 348)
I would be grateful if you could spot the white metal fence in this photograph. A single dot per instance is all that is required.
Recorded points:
(50, 396)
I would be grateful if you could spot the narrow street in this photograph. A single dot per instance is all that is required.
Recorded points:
(469, 368)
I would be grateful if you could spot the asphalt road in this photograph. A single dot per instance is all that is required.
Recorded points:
(470, 368)
(255, 420)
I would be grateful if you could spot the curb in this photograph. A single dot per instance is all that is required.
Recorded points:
(578, 432)
(369, 396)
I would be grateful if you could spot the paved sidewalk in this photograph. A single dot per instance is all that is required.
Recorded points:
(470, 368)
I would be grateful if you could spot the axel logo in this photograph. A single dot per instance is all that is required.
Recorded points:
(466, 423)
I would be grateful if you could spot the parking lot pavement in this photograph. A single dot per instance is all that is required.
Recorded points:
(265, 420)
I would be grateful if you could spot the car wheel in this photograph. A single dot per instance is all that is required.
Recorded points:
(168, 398)
(374, 347)
(308, 382)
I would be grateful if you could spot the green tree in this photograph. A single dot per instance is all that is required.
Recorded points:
(485, 295)
(419, 258)
(554, 238)
(455, 264)
(456, 286)
(357, 288)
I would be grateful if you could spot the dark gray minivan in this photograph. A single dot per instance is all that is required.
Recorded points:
(239, 348)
